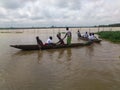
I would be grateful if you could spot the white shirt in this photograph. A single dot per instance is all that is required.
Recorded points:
(86, 35)
(90, 37)
(49, 41)
(68, 33)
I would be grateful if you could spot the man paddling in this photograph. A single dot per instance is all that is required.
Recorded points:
(39, 42)
(61, 42)
(68, 35)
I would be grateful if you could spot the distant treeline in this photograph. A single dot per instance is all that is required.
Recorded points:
(40, 27)
(44, 27)
(110, 25)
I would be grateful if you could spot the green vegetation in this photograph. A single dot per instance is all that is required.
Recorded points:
(113, 36)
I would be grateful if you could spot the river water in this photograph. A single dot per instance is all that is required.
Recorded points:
(94, 67)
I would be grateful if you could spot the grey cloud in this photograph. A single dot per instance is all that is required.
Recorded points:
(79, 12)
(12, 4)
(75, 4)
(70, 4)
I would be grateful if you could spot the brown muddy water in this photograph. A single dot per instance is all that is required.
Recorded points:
(95, 67)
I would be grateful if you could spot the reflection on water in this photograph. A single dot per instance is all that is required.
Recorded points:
(90, 51)
(69, 54)
(60, 55)
(94, 67)
(40, 54)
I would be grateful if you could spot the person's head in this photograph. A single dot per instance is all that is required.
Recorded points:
(50, 37)
(37, 37)
(90, 34)
(67, 28)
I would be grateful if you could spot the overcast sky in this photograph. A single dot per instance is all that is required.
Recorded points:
(58, 12)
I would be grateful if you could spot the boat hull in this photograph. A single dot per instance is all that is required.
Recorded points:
(36, 47)
(86, 39)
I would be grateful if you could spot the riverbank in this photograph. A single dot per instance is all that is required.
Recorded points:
(113, 36)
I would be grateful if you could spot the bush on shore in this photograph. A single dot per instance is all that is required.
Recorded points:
(113, 36)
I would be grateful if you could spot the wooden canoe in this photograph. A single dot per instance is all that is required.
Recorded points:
(36, 47)
(86, 39)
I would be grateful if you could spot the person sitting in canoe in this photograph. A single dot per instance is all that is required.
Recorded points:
(39, 42)
(61, 42)
(91, 36)
(86, 35)
(69, 36)
(78, 34)
(49, 41)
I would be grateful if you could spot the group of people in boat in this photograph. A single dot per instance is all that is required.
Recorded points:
(89, 36)
(68, 35)
(49, 41)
